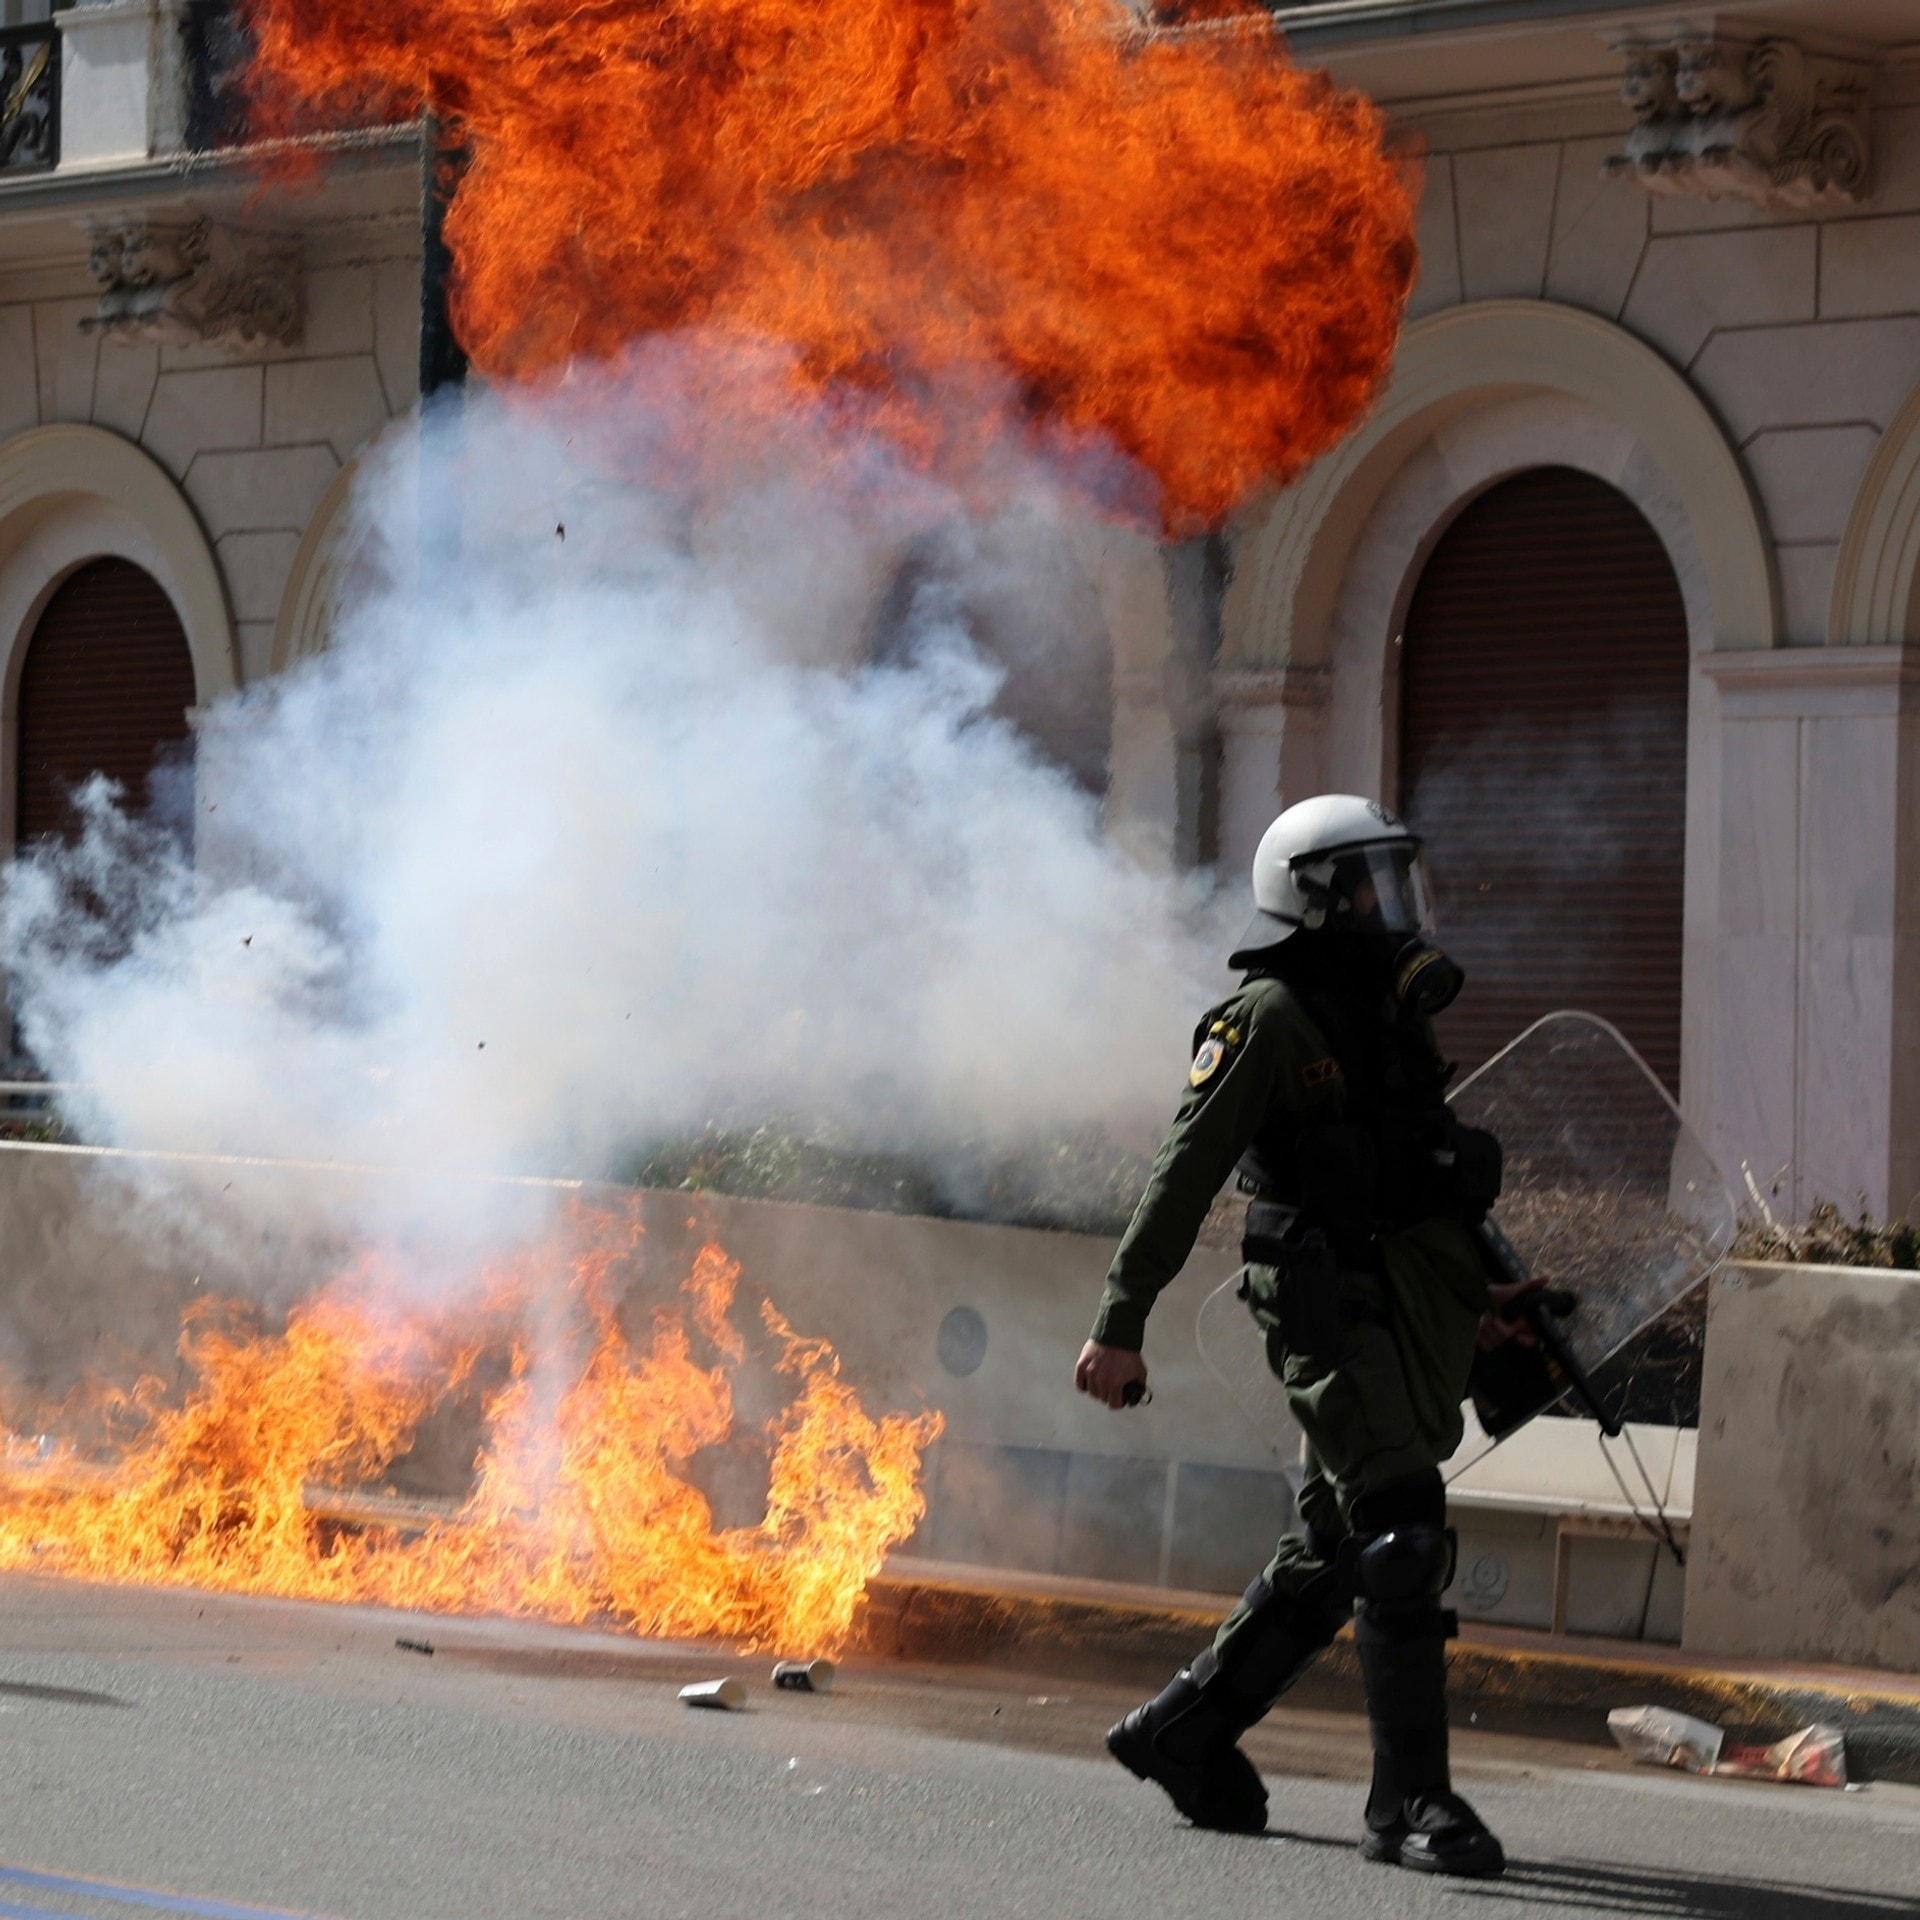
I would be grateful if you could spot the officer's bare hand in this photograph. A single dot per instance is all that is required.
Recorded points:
(1107, 1373)
(1495, 1329)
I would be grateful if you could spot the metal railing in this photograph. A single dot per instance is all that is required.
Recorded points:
(29, 98)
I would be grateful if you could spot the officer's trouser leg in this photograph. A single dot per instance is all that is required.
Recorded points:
(1185, 1738)
(1403, 1558)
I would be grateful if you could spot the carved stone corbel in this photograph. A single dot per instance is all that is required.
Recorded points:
(1764, 122)
(195, 283)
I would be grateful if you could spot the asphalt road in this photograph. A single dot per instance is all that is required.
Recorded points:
(174, 1752)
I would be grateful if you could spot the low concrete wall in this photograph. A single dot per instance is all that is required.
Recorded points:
(97, 1259)
(982, 1322)
(1807, 1496)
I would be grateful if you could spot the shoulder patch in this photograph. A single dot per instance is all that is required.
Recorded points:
(1206, 1063)
(1316, 1073)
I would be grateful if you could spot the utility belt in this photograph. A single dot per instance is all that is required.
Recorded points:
(1321, 1281)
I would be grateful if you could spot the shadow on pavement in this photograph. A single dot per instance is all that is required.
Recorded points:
(60, 1696)
(1587, 1886)
(1685, 1896)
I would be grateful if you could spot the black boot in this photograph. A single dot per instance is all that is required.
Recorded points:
(1403, 1561)
(1184, 1739)
(1435, 1833)
(1414, 1818)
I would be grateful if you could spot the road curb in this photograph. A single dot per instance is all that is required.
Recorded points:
(1553, 1690)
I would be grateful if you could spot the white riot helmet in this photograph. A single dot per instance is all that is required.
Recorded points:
(1335, 861)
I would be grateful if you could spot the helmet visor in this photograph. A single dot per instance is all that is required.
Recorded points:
(1380, 889)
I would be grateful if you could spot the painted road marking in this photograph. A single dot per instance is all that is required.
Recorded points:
(112, 1893)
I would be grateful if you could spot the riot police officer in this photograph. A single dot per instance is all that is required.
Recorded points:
(1321, 1081)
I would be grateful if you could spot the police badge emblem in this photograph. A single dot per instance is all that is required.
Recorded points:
(1206, 1062)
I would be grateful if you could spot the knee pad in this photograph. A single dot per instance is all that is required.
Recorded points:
(1405, 1563)
(1403, 1558)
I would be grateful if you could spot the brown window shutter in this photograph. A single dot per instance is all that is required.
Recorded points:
(105, 688)
(1543, 754)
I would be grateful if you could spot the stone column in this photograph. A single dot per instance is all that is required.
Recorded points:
(122, 82)
(1817, 962)
(1270, 725)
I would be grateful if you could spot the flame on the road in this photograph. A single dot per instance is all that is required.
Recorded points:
(957, 217)
(581, 1508)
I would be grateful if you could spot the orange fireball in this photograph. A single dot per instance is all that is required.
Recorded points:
(1180, 244)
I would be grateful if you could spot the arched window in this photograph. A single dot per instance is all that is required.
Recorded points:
(1543, 755)
(105, 688)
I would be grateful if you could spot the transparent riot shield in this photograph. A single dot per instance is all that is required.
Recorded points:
(1236, 1355)
(1607, 1193)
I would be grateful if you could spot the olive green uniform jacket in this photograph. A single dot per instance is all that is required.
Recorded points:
(1386, 1403)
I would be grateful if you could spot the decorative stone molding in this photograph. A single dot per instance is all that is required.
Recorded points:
(193, 283)
(1292, 553)
(1763, 122)
(69, 494)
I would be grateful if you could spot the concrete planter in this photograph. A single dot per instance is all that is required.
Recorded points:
(1807, 1501)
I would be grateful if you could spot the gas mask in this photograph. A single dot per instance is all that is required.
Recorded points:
(1370, 903)
(1426, 980)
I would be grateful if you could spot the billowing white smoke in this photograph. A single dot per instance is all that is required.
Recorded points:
(586, 832)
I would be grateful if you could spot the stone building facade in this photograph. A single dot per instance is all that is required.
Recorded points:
(1669, 259)
(1733, 345)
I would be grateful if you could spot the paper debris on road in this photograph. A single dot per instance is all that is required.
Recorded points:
(1816, 1756)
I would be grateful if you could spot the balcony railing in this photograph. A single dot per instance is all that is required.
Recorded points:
(29, 98)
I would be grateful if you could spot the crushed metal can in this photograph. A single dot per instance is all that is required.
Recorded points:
(804, 1676)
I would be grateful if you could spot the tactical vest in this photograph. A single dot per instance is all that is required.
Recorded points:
(1395, 1157)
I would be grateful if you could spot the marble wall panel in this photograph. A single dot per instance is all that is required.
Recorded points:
(1870, 267)
(1113, 1518)
(340, 402)
(67, 359)
(1846, 1107)
(19, 382)
(123, 387)
(1600, 229)
(1810, 376)
(994, 1506)
(1225, 1523)
(1505, 203)
(1808, 476)
(1250, 782)
(215, 410)
(1903, 1152)
(1850, 770)
(1755, 957)
(256, 566)
(274, 489)
(396, 331)
(1439, 241)
(1806, 591)
(253, 640)
(1689, 287)
(1756, 988)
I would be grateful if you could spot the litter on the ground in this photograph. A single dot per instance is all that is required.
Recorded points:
(1816, 1756)
(415, 1646)
(804, 1676)
(728, 1693)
